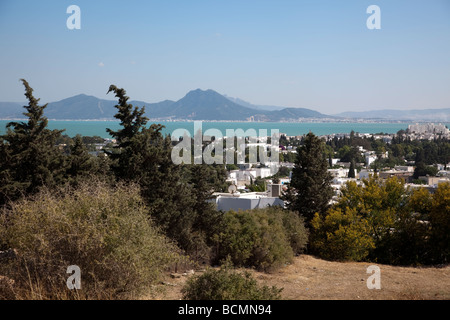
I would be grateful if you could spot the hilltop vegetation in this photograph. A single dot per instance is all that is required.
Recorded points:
(130, 215)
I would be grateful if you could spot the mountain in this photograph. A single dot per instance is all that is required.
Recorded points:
(289, 114)
(81, 107)
(11, 110)
(442, 115)
(195, 105)
(253, 106)
(209, 105)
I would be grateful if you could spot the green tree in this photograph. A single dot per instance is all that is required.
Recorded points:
(341, 235)
(440, 224)
(30, 158)
(310, 189)
(262, 238)
(257, 185)
(128, 163)
(143, 155)
(380, 220)
(205, 222)
(424, 170)
(351, 171)
(80, 163)
(177, 195)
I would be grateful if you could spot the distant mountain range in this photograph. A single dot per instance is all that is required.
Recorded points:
(253, 106)
(196, 105)
(206, 105)
(442, 115)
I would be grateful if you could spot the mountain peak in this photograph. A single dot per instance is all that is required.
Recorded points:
(78, 97)
(201, 92)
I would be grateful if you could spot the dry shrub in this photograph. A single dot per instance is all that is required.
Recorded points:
(105, 231)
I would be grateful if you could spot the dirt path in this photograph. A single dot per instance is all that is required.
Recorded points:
(309, 278)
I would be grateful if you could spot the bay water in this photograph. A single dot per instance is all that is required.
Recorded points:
(98, 128)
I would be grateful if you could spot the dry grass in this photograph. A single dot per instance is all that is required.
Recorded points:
(309, 278)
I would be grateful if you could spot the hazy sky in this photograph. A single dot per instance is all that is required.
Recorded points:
(312, 54)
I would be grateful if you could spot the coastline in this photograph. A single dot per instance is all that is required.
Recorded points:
(95, 127)
(304, 120)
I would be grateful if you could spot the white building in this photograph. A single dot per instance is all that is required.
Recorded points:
(404, 168)
(370, 158)
(243, 177)
(365, 174)
(334, 161)
(245, 201)
(340, 173)
(428, 128)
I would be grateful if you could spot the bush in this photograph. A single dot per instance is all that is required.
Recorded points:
(227, 284)
(341, 236)
(440, 222)
(105, 231)
(385, 222)
(361, 222)
(295, 230)
(261, 238)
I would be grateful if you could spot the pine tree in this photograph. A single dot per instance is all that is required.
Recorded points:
(80, 163)
(5, 172)
(351, 170)
(177, 195)
(310, 188)
(31, 159)
(143, 155)
(132, 120)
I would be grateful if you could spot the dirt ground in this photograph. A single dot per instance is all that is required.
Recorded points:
(309, 278)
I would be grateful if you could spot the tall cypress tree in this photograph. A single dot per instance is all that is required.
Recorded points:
(80, 163)
(351, 170)
(176, 195)
(32, 157)
(143, 155)
(310, 188)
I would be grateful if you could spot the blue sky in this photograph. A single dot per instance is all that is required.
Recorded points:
(314, 54)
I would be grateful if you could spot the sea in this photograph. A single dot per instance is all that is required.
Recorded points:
(98, 128)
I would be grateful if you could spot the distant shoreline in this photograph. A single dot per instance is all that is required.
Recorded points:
(312, 120)
(95, 127)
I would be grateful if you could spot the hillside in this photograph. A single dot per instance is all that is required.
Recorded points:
(208, 105)
(11, 110)
(309, 278)
(254, 106)
(295, 113)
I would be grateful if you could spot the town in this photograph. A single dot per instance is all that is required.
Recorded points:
(258, 185)
(261, 184)
(342, 197)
